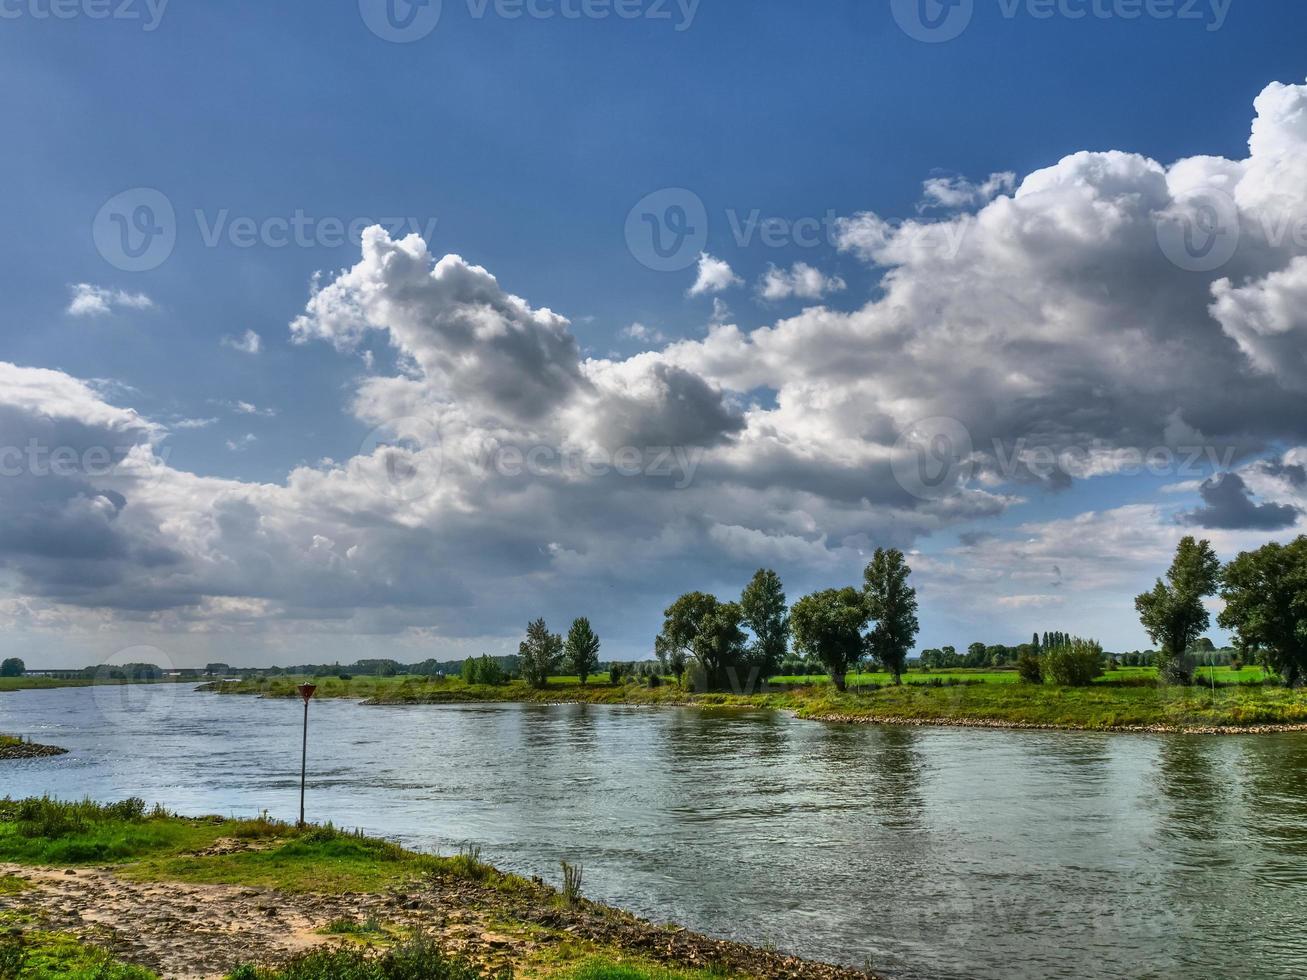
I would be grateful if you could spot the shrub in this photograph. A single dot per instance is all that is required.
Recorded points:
(571, 884)
(418, 959)
(1030, 668)
(1074, 664)
(616, 672)
(1177, 670)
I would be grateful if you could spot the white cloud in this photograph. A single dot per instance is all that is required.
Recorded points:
(800, 281)
(248, 343)
(193, 423)
(958, 192)
(644, 334)
(714, 276)
(89, 300)
(248, 408)
(1049, 318)
(242, 443)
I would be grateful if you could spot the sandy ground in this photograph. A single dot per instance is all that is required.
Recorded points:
(197, 932)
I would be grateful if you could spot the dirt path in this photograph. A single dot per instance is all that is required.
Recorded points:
(198, 932)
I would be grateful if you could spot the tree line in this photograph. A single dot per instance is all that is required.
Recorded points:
(1265, 596)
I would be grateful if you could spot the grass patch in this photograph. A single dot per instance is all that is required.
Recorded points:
(47, 955)
(1127, 697)
(417, 959)
(12, 884)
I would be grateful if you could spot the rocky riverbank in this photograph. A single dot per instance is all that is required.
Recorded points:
(14, 748)
(201, 932)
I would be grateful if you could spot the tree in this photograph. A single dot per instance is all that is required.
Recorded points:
(541, 654)
(582, 650)
(1034, 642)
(680, 626)
(1265, 593)
(719, 643)
(766, 615)
(1173, 613)
(892, 603)
(828, 627)
(13, 667)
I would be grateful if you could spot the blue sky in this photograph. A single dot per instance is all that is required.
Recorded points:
(524, 143)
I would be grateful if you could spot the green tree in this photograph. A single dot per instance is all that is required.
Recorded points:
(766, 614)
(582, 649)
(1173, 613)
(1265, 593)
(892, 603)
(540, 653)
(489, 671)
(469, 673)
(828, 628)
(719, 645)
(680, 627)
(13, 667)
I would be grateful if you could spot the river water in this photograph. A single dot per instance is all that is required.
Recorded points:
(920, 852)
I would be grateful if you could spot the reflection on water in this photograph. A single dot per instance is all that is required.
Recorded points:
(924, 852)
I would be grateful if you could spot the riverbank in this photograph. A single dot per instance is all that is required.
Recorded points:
(16, 748)
(202, 898)
(1124, 706)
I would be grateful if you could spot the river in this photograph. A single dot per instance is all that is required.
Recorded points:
(923, 853)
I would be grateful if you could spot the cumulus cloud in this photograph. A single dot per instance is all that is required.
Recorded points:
(1044, 320)
(1228, 503)
(247, 343)
(714, 276)
(958, 192)
(91, 300)
(800, 281)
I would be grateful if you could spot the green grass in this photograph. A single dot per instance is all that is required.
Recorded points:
(152, 845)
(157, 846)
(1124, 698)
(49, 955)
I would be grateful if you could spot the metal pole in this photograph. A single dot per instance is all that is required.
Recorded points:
(304, 759)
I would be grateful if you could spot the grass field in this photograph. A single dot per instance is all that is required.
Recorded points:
(1126, 699)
